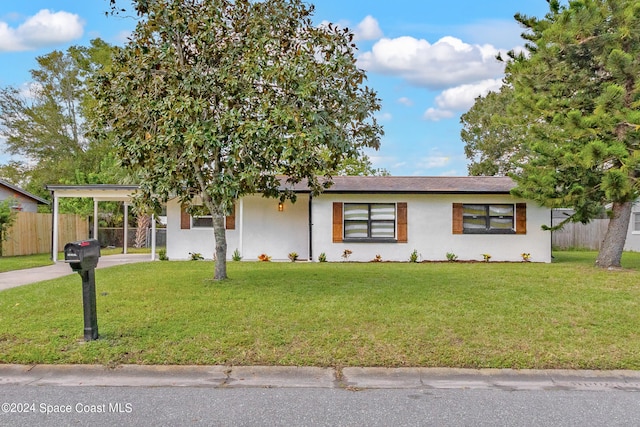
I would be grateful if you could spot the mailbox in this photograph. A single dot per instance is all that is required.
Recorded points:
(82, 255)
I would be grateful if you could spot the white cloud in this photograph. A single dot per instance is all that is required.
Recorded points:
(460, 98)
(445, 63)
(405, 101)
(30, 90)
(384, 117)
(435, 115)
(123, 36)
(45, 28)
(432, 162)
(368, 29)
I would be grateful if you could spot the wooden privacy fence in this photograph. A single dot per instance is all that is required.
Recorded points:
(581, 236)
(31, 233)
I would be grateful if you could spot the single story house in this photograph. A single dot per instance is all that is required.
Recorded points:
(389, 217)
(24, 201)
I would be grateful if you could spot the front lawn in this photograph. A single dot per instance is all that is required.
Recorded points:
(10, 263)
(502, 315)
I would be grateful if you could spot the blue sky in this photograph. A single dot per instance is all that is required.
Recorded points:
(426, 59)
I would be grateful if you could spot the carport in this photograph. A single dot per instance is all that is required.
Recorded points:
(99, 193)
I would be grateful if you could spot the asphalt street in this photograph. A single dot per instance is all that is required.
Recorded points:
(126, 395)
(250, 406)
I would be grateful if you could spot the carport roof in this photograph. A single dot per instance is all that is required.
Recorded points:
(107, 192)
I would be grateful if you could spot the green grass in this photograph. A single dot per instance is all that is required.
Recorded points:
(11, 263)
(501, 315)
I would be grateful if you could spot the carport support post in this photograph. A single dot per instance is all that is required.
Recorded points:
(153, 237)
(89, 304)
(95, 219)
(54, 232)
(126, 228)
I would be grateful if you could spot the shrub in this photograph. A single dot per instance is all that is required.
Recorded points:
(322, 257)
(346, 254)
(378, 258)
(293, 256)
(414, 256)
(264, 258)
(526, 257)
(236, 255)
(451, 257)
(196, 256)
(486, 257)
(162, 254)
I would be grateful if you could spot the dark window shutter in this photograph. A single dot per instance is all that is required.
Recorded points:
(402, 222)
(521, 218)
(457, 223)
(230, 221)
(337, 222)
(185, 218)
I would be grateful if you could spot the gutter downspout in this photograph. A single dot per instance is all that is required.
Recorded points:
(310, 227)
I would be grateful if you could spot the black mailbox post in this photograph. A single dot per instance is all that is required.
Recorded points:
(83, 258)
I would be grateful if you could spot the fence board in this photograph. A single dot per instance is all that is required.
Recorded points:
(582, 236)
(31, 233)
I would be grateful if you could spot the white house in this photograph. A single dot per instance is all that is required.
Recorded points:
(370, 216)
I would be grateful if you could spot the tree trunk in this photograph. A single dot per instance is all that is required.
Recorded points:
(613, 243)
(142, 225)
(220, 236)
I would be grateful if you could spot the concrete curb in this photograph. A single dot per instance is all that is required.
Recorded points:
(219, 376)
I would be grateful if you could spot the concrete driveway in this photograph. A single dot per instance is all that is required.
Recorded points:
(11, 279)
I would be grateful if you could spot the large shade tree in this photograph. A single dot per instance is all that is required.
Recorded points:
(493, 142)
(212, 99)
(44, 125)
(576, 105)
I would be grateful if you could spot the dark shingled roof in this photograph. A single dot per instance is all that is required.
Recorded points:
(25, 193)
(375, 184)
(418, 184)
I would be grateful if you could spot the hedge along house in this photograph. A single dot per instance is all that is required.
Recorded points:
(388, 217)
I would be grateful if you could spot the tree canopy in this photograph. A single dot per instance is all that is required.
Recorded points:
(45, 124)
(573, 118)
(218, 98)
(493, 143)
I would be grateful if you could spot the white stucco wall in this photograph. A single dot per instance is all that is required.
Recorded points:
(200, 240)
(260, 228)
(266, 230)
(429, 223)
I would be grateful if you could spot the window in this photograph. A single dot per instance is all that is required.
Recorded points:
(636, 223)
(202, 221)
(482, 219)
(369, 221)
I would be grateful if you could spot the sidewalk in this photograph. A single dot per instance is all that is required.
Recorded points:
(352, 379)
(11, 279)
